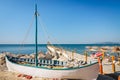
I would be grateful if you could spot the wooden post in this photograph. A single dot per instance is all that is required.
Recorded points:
(85, 56)
(118, 60)
(119, 77)
(42, 78)
(73, 55)
(103, 54)
(113, 64)
(100, 66)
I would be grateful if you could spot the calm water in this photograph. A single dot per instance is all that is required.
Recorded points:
(30, 48)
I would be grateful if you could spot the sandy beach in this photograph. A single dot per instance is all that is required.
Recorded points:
(7, 75)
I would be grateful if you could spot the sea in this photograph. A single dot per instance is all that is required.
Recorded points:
(30, 48)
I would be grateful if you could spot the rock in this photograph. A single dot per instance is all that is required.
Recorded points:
(41, 55)
(2, 59)
(2, 62)
(32, 56)
(48, 56)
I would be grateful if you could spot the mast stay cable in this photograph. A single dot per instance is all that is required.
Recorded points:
(26, 35)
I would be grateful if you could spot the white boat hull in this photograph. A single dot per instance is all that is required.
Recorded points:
(89, 72)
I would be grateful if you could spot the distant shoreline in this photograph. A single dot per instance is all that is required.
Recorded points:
(70, 44)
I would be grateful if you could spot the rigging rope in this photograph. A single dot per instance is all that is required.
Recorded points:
(26, 35)
(44, 29)
(46, 32)
(49, 37)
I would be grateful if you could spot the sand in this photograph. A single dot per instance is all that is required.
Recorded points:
(6, 75)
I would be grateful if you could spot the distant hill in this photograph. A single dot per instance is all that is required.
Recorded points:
(108, 43)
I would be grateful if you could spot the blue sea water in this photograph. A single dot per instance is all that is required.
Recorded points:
(30, 48)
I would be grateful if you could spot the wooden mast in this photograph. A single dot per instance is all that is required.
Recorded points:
(36, 46)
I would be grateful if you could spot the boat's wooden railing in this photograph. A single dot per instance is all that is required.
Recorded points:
(40, 61)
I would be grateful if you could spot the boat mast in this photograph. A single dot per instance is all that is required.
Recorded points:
(36, 44)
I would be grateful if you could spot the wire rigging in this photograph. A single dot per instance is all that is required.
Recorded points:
(26, 35)
(46, 32)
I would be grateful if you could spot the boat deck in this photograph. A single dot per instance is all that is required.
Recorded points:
(54, 64)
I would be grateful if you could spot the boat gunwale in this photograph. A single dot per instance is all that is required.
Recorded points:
(73, 68)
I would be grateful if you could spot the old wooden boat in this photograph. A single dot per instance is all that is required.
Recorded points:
(48, 68)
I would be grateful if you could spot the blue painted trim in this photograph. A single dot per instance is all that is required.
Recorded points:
(53, 68)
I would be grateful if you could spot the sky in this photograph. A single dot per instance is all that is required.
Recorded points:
(60, 21)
